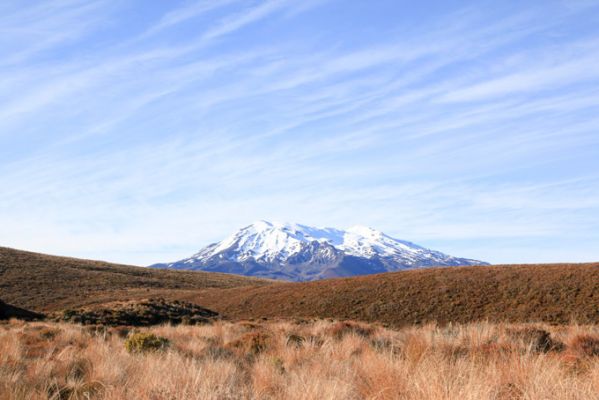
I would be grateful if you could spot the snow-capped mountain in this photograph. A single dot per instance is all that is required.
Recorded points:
(299, 253)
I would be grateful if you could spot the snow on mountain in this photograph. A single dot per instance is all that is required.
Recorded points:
(299, 252)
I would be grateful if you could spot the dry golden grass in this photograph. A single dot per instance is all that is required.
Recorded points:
(301, 360)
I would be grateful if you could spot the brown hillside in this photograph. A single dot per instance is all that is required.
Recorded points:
(554, 293)
(48, 283)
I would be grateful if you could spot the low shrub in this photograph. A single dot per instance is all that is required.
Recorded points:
(79, 369)
(217, 353)
(119, 331)
(48, 333)
(539, 340)
(143, 342)
(384, 344)
(342, 328)
(251, 344)
(586, 345)
(508, 391)
(295, 340)
(141, 313)
(278, 365)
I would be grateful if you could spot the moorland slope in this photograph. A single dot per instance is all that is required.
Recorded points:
(49, 283)
(552, 293)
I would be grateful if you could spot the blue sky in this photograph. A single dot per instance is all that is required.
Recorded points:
(140, 131)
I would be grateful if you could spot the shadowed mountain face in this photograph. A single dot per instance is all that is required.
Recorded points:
(301, 253)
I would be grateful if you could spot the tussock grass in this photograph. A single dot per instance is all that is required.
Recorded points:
(288, 360)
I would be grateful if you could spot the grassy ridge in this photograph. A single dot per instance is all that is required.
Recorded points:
(553, 293)
(48, 283)
(560, 294)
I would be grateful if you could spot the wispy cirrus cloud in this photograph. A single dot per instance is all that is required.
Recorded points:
(30, 31)
(533, 78)
(185, 13)
(473, 131)
(238, 20)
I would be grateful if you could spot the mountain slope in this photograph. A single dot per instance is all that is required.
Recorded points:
(553, 293)
(301, 253)
(46, 283)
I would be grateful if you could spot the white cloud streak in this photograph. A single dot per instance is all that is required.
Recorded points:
(237, 21)
(144, 147)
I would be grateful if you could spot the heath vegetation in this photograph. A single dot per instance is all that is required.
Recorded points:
(144, 312)
(45, 283)
(552, 293)
(319, 359)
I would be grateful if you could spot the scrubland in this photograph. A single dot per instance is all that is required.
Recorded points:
(45, 283)
(318, 359)
(551, 293)
(299, 352)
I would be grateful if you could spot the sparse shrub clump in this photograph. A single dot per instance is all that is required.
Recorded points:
(587, 345)
(144, 342)
(539, 340)
(141, 313)
(251, 344)
(217, 353)
(48, 333)
(342, 328)
(295, 340)
(119, 331)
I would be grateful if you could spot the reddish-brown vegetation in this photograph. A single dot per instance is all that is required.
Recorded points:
(48, 283)
(586, 345)
(268, 360)
(558, 294)
(145, 312)
(344, 328)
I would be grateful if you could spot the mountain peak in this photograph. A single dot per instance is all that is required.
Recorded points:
(364, 230)
(261, 225)
(300, 252)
